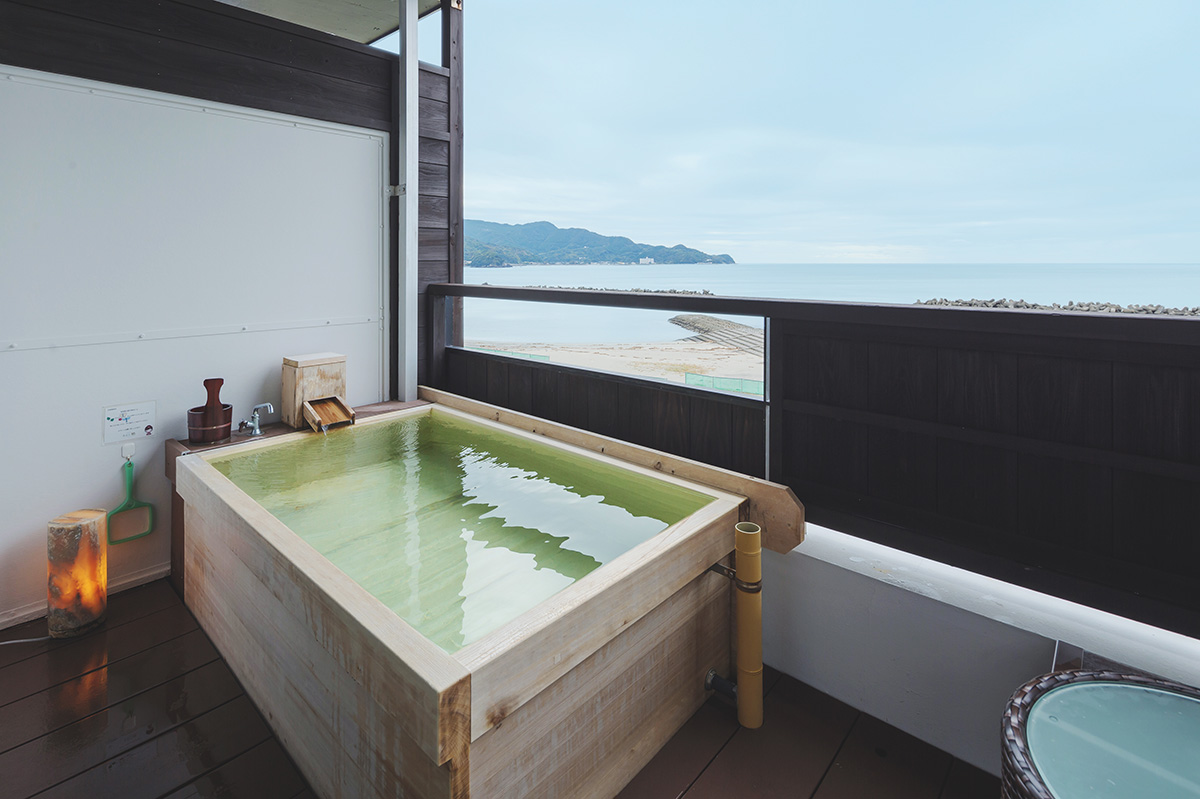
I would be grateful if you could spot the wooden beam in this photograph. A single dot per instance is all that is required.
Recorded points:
(452, 55)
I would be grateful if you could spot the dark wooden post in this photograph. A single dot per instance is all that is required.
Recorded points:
(436, 334)
(773, 361)
(452, 51)
(394, 282)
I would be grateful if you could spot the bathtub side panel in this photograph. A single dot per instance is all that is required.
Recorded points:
(345, 742)
(593, 729)
(426, 689)
(518, 661)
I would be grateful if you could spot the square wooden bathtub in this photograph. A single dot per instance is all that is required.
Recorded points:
(570, 698)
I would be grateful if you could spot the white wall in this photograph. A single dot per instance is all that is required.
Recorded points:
(931, 649)
(148, 242)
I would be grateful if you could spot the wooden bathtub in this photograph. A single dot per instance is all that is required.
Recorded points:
(571, 698)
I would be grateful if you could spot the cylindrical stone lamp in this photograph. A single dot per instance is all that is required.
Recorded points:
(77, 572)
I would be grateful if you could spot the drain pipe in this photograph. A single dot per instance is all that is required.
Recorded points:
(747, 577)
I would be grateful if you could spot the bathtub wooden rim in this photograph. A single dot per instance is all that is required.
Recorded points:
(772, 506)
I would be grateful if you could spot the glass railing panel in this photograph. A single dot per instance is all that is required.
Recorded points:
(717, 352)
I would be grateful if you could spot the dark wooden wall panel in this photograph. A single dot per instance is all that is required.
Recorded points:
(902, 380)
(1066, 399)
(433, 242)
(1066, 503)
(977, 484)
(570, 405)
(434, 180)
(1157, 411)
(432, 212)
(977, 389)
(902, 468)
(435, 118)
(825, 452)
(1156, 521)
(827, 370)
(205, 50)
(748, 438)
(1069, 453)
(435, 206)
(433, 151)
(706, 426)
(604, 408)
(434, 84)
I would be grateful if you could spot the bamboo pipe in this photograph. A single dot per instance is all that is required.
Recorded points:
(748, 565)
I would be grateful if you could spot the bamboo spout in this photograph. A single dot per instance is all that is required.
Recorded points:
(326, 412)
(748, 566)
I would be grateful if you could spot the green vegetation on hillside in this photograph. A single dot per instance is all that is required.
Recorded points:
(495, 244)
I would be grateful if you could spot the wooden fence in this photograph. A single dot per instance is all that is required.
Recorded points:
(720, 429)
(1060, 451)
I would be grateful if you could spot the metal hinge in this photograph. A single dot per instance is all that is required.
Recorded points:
(396, 191)
(456, 5)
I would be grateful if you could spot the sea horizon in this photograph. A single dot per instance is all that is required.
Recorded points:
(1172, 285)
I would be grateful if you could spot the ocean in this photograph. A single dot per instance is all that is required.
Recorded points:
(1171, 285)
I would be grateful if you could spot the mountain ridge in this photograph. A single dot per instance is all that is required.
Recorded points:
(494, 244)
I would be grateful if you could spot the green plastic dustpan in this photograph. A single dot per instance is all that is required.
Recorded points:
(132, 519)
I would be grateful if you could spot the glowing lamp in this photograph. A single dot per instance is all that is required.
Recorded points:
(77, 572)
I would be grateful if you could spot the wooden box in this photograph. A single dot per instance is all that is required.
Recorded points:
(310, 377)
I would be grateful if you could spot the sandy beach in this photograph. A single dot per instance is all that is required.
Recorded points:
(668, 360)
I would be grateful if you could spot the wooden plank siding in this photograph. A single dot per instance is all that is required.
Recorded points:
(202, 49)
(1060, 451)
(715, 428)
(439, 246)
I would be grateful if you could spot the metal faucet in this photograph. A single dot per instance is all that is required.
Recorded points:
(253, 421)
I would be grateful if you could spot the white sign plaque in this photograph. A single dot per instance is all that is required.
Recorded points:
(131, 420)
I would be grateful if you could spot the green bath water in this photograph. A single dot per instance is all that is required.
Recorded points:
(456, 527)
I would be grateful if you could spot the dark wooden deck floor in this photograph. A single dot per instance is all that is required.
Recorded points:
(143, 707)
(146, 708)
(811, 746)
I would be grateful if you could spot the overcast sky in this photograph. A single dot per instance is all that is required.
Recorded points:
(855, 130)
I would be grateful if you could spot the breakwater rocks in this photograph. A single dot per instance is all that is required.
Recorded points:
(721, 331)
(701, 292)
(1085, 307)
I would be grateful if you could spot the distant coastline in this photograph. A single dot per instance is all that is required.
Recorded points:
(490, 245)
